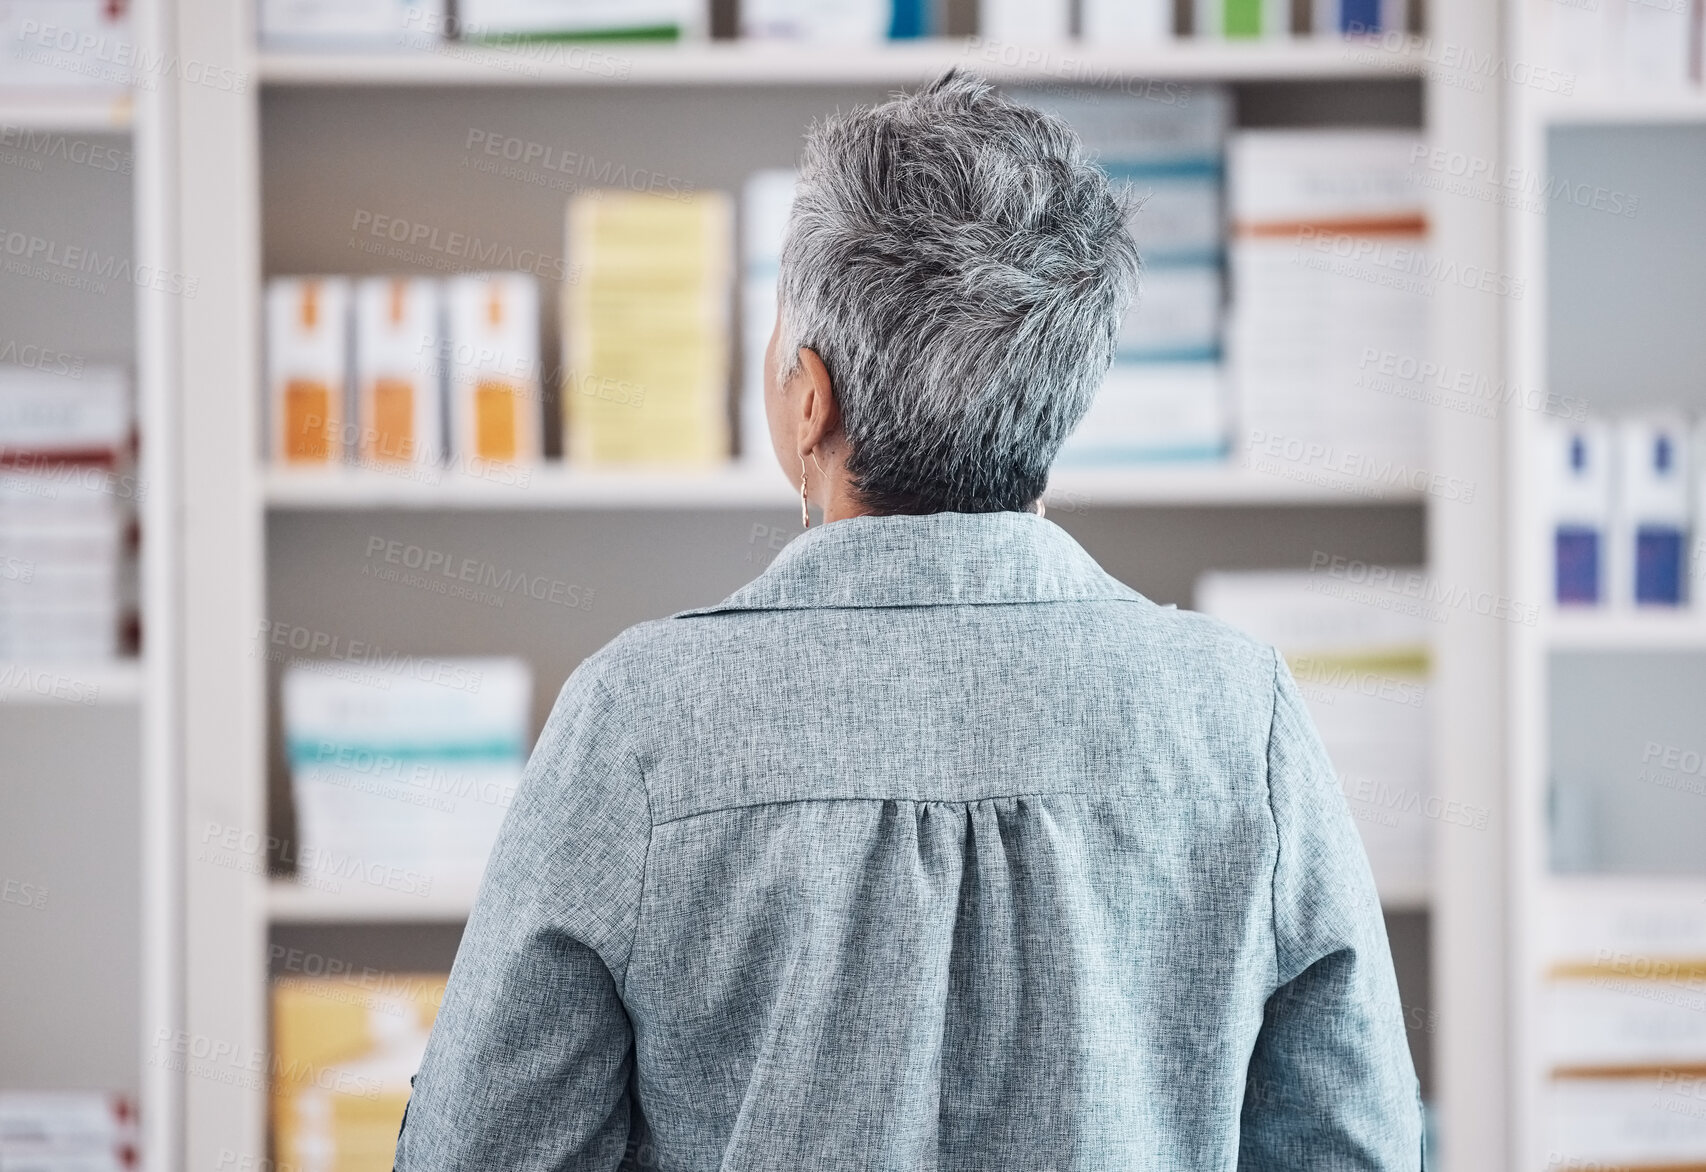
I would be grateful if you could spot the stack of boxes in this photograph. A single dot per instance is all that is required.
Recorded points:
(1357, 638)
(68, 496)
(342, 1057)
(402, 769)
(1328, 267)
(439, 371)
(1165, 397)
(67, 1131)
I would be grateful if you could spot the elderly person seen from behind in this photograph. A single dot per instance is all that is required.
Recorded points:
(934, 847)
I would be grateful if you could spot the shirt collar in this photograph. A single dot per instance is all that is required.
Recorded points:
(942, 559)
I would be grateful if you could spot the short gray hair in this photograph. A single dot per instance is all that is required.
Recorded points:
(962, 267)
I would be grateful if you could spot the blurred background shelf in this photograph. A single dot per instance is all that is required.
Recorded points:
(289, 902)
(561, 489)
(70, 113)
(1588, 631)
(1601, 108)
(71, 683)
(747, 64)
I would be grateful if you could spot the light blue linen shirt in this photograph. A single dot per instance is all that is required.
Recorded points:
(935, 847)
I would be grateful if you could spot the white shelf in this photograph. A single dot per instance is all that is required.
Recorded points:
(760, 63)
(1681, 630)
(1621, 108)
(555, 488)
(289, 902)
(66, 113)
(71, 684)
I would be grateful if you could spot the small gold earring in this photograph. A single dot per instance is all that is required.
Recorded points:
(805, 513)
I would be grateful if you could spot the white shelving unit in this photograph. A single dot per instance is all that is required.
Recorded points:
(131, 704)
(756, 64)
(555, 487)
(1540, 897)
(231, 504)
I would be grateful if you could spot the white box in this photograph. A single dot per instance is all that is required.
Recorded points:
(365, 24)
(1330, 233)
(1650, 521)
(1127, 22)
(408, 765)
(503, 19)
(1652, 1122)
(1176, 317)
(1028, 21)
(1357, 645)
(1152, 412)
(1581, 40)
(399, 396)
(856, 22)
(1179, 220)
(307, 369)
(1654, 37)
(1576, 467)
(51, 44)
(494, 384)
(58, 416)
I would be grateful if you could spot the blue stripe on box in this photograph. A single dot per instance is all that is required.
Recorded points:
(1359, 17)
(911, 19)
(1658, 565)
(1194, 167)
(1576, 551)
(303, 751)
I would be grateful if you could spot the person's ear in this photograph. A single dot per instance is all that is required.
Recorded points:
(820, 414)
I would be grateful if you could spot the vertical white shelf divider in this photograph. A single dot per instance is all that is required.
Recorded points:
(155, 176)
(220, 582)
(1471, 914)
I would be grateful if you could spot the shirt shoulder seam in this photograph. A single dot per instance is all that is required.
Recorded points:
(934, 801)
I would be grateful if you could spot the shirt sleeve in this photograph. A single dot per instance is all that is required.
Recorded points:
(1330, 1083)
(530, 1060)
